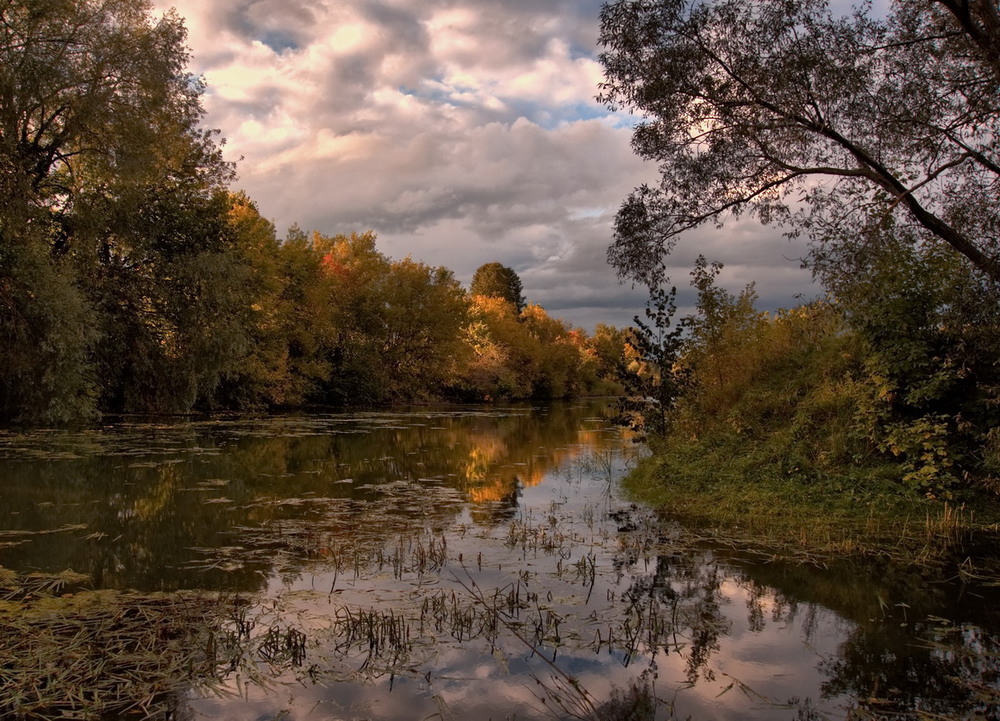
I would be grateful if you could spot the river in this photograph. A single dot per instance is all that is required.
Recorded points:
(446, 563)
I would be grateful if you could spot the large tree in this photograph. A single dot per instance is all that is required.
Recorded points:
(495, 280)
(118, 282)
(93, 95)
(825, 122)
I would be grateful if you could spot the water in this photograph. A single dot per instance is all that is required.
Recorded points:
(473, 563)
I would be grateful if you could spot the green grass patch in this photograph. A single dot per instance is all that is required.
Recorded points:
(766, 507)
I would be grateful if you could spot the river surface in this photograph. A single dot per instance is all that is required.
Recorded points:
(476, 563)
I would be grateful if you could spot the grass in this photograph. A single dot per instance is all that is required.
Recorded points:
(767, 510)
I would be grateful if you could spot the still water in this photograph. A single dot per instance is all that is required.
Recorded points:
(462, 563)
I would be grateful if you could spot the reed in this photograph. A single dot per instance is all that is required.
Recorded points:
(66, 650)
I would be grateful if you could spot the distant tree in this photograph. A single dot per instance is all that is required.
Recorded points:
(555, 357)
(425, 312)
(263, 376)
(498, 281)
(354, 302)
(522, 355)
(302, 321)
(493, 338)
(797, 115)
(607, 346)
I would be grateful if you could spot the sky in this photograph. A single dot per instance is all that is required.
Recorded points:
(462, 132)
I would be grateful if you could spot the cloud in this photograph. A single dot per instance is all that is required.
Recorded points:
(461, 131)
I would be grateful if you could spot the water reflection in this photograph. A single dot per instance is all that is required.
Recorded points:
(879, 642)
(456, 564)
(133, 506)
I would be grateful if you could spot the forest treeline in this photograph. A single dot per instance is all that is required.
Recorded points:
(232, 317)
(134, 279)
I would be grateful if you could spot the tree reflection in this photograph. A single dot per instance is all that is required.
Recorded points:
(939, 670)
(157, 501)
(896, 660)
(677, 608)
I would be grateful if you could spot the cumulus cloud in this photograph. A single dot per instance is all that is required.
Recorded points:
(461, 131)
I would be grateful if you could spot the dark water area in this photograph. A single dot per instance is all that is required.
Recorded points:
(477, 563)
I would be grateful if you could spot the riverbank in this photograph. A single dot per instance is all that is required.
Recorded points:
(816, 520)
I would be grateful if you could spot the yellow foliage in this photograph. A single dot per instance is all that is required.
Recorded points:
(526, 354)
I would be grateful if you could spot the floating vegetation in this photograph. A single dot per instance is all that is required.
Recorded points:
(70, 652)
(98, 653)
(453, 558)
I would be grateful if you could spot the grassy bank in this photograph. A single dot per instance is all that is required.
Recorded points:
(765, 511)
(867, 426)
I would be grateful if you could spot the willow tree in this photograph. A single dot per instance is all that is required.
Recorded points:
(822, 121)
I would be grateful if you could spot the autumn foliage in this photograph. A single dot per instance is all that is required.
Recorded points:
(134, 280)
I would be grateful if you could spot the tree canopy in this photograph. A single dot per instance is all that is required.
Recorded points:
(821, 121)
(133, 279)
(495, 280)
(95, 99)
(116, 270)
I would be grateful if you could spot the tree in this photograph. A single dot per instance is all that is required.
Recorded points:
(357, 273)
(498, 281)
(94, 96)
(653, 380)
(303, 320)
(425, 310)
(493, 338)
(980, 21)
(555, 356)
(262, 376)
(785, 110)
(523, 355)
(930, 332)
(607, 348)
(115, 263)
(46, 334)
